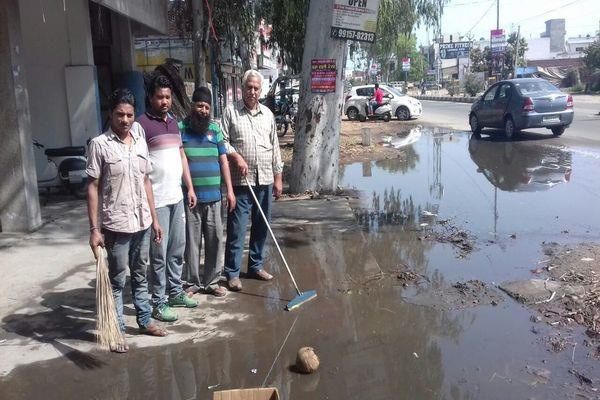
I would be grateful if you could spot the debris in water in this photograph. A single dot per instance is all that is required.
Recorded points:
(407, 276)
(582, 378)
(429, 213)
(254, 370)
(307, 360)
(539, 372)
(416, 355)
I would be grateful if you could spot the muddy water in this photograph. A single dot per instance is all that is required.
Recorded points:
(374, 341)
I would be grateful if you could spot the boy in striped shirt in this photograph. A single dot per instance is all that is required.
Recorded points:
(207, 159)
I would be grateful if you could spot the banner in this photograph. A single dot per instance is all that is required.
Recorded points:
(355, 20)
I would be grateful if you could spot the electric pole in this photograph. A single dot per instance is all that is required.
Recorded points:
(497, 14)
(517, 52)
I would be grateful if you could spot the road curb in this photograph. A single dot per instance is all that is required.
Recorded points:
(448, 98)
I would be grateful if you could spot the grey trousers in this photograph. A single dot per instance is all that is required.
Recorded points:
(204, 221)
(166, 258)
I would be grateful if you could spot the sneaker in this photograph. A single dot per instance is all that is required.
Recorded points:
(164, 313)
(182, 300)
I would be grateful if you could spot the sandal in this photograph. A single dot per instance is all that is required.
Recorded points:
(219, 291)
(153, 330)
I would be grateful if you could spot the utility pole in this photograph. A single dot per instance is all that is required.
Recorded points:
(517, 52)
(497, 14)
(316, 160)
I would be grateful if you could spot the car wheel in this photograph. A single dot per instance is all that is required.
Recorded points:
(510, 130)
(558, 130)
(352, 113)
(386, 117)
(474, 123)
(402, 113)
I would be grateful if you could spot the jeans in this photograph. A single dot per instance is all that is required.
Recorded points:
(166, 257)
(129, 249)
(204, 220)
(237, 222)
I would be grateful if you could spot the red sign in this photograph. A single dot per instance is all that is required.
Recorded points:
(323, 75)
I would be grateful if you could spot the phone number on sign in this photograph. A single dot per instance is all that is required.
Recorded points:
(352, 35)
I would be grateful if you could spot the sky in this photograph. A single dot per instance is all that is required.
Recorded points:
(582, 17)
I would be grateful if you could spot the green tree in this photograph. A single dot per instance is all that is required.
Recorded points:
(592, 56)
(397, 19)
(482, 60)
(289, 27)
(509, 55)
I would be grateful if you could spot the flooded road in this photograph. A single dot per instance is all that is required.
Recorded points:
(376, 337)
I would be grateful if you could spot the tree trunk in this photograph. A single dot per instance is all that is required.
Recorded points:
(199, 57)
(315, 164)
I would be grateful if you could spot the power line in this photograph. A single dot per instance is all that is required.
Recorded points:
(549, 11)
(483, 16)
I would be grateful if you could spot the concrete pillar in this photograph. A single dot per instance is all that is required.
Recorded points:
(123, 49)
(19, 202)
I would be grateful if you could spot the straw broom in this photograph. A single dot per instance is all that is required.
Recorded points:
(107, 324)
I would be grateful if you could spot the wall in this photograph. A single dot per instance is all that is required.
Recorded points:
(61, 37)
(152, 13)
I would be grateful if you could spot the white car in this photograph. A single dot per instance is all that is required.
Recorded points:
(403, 107)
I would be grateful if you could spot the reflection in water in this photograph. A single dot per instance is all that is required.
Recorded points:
(520, 166)
(365, 339)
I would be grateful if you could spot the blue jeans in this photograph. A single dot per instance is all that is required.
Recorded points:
(129, 249)
(166, 258)
(237, 221)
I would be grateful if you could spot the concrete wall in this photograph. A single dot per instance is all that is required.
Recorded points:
(151, 13)
(61, 38)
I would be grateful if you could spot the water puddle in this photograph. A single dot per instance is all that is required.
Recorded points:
(404, 311)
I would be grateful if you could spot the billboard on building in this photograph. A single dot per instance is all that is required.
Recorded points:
(454, 50)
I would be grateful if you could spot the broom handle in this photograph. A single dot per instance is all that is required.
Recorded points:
(272, 234)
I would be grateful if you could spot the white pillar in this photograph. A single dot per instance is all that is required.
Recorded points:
(19, 202)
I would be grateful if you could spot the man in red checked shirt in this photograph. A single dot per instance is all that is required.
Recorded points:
(376, 100)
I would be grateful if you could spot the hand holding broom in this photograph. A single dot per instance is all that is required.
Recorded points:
(108, 333)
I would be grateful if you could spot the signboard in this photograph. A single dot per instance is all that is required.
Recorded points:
(355, 20)
(323, 75)
(431, 72)
(455, 50)
(405, 64)
(497, 41)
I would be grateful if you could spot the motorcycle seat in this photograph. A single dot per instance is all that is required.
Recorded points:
(70, 151)
(376, 106)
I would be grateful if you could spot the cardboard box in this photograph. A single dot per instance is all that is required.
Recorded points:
(247, 394)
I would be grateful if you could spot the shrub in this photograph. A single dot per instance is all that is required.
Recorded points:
(578, 88)
(472, 84)
(453, 88)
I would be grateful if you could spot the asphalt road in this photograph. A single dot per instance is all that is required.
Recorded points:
(586, 125)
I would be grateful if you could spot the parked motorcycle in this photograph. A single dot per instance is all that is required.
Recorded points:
(65, 169)
(382, 112)
(285, 118)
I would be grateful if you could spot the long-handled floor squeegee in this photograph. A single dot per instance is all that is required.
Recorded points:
(302, 297)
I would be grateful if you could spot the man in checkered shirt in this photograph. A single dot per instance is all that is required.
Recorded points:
(249, 132)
